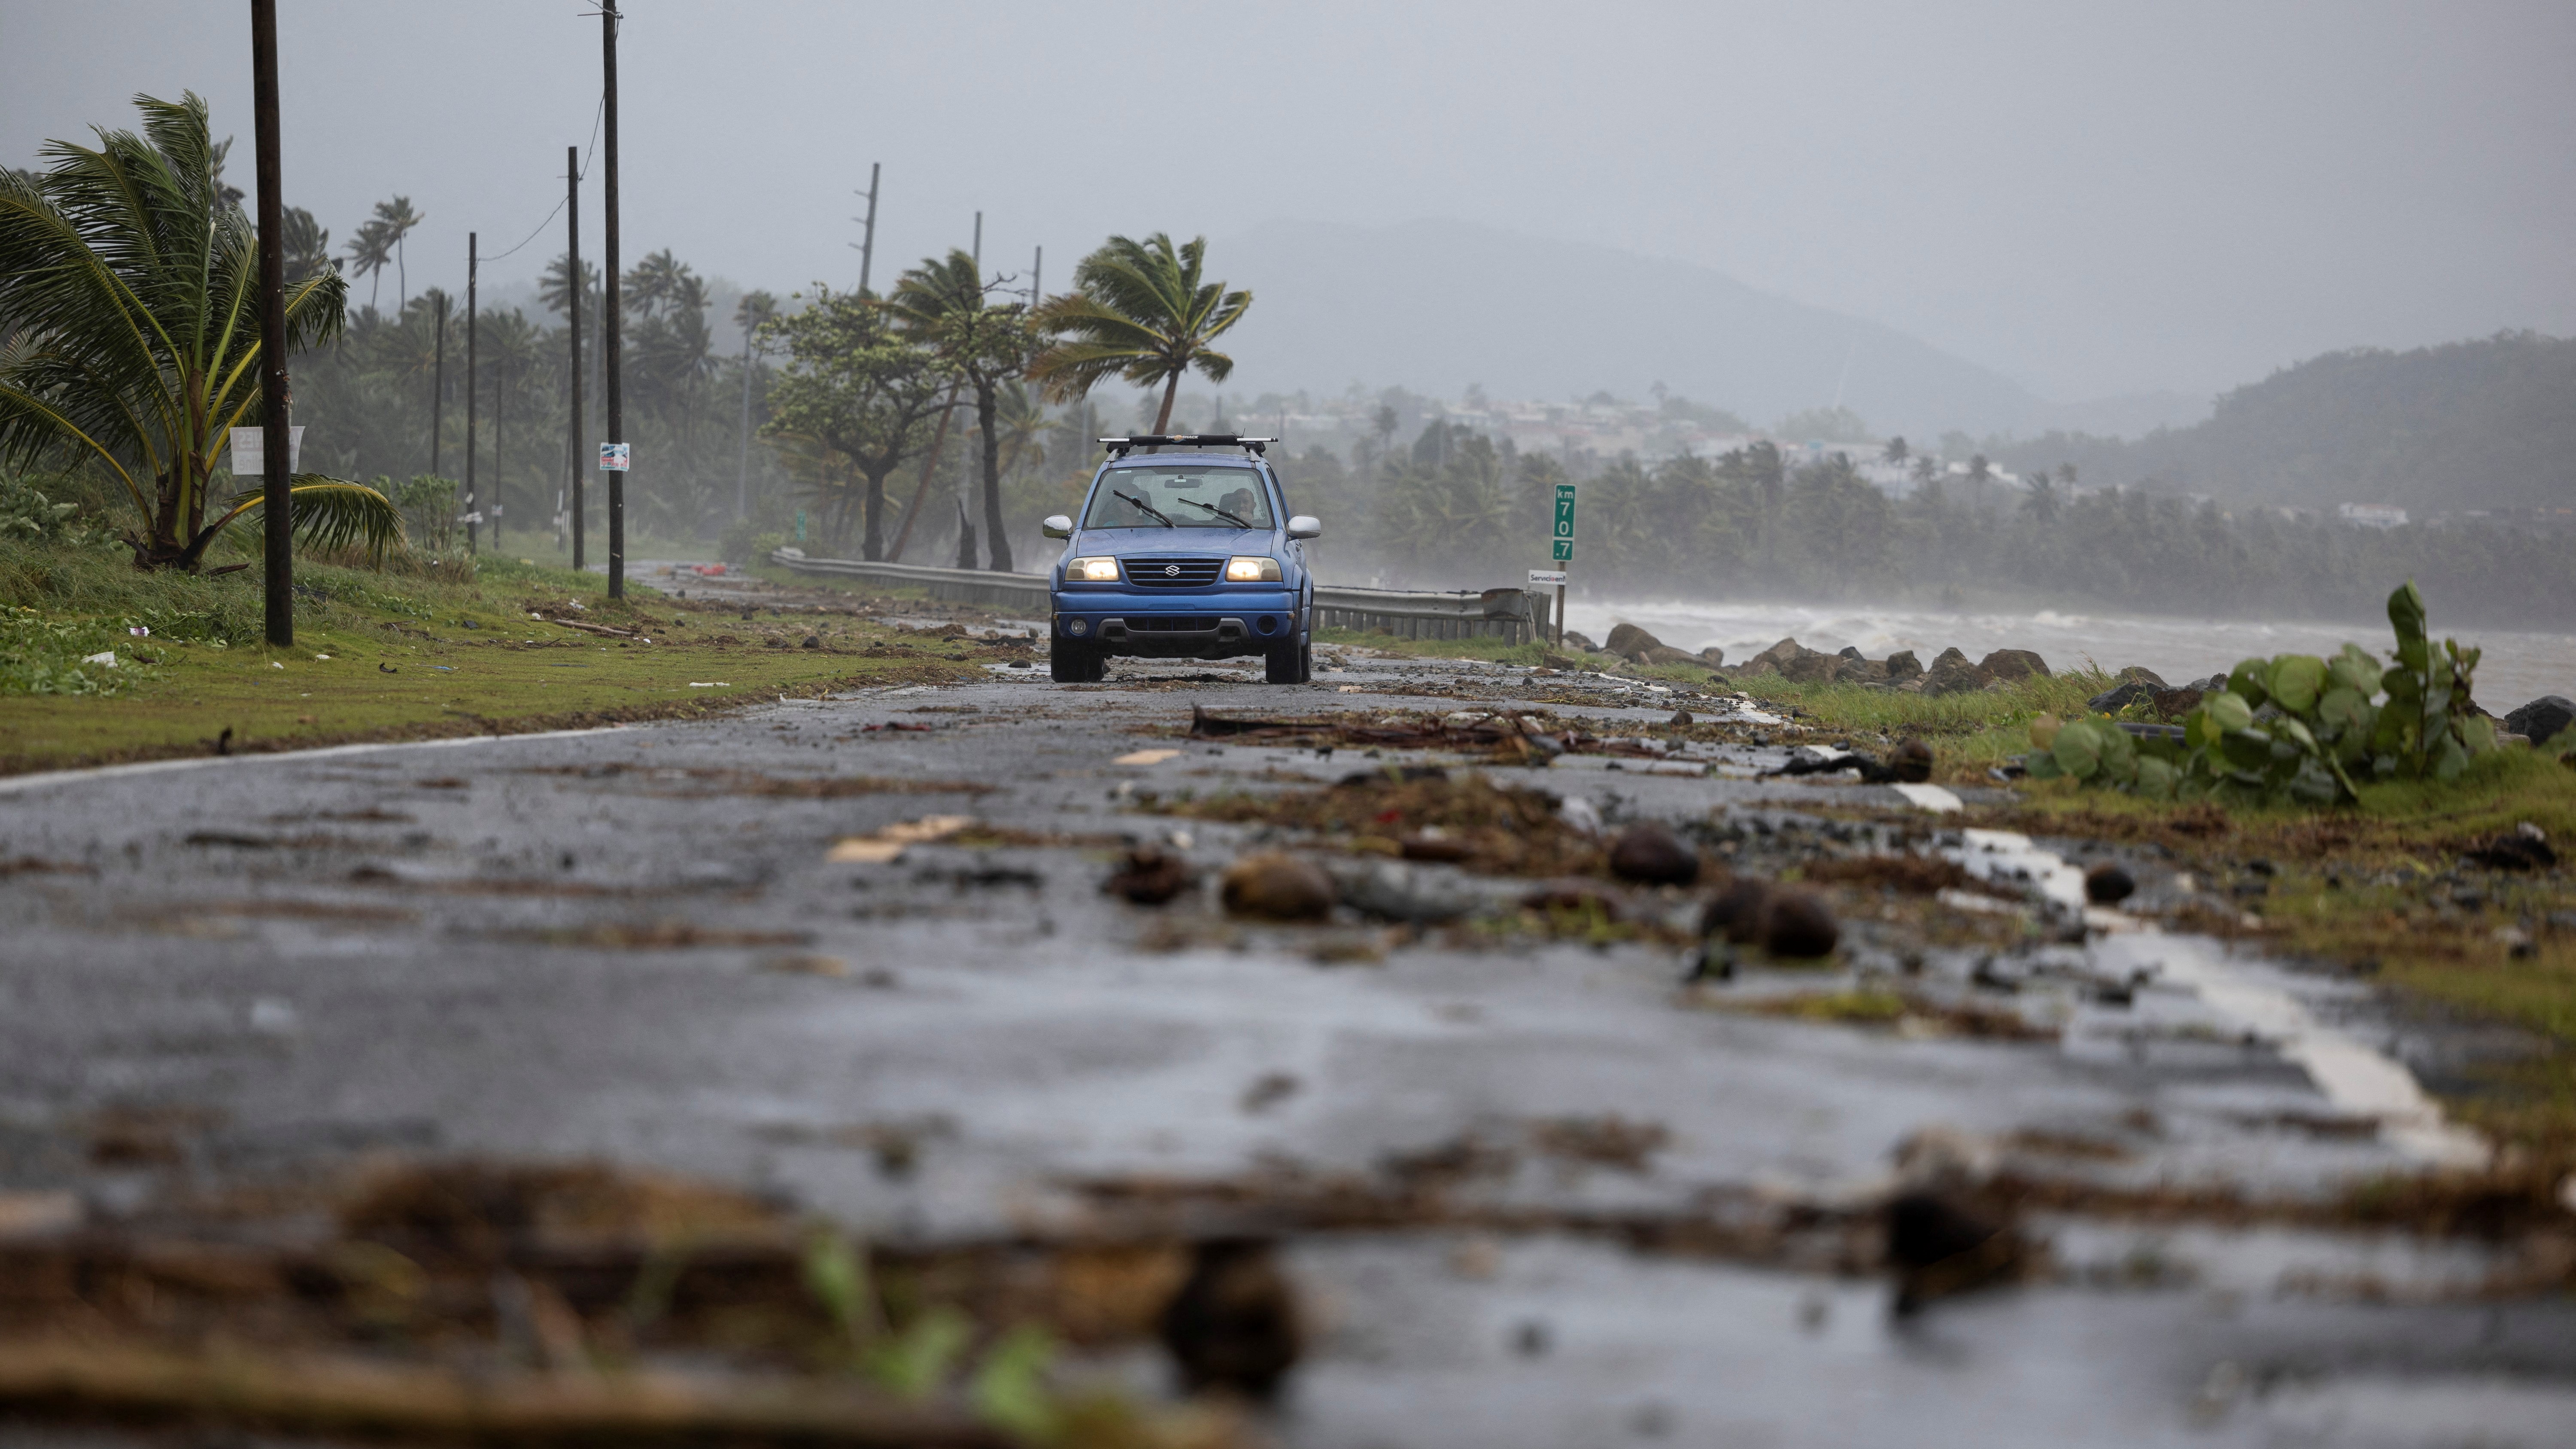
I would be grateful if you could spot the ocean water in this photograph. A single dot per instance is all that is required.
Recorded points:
(2517, 666)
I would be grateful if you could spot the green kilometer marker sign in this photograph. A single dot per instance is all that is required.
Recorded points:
(1564, 539)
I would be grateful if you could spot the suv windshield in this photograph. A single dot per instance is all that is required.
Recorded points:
(1204, 496)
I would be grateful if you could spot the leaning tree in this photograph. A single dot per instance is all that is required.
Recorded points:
(134, 284)
(1138, 310)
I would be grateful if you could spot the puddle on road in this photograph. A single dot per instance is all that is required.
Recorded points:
(2352, 1075)
(1552, 1342)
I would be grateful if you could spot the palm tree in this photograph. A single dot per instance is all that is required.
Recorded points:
(308, 246)
(942, 305)
(370, 252)
(1139, 311)
(515, 349)
(1896, 451)
(137, 289)
(658, 283)
(754, 309)
(398, 219)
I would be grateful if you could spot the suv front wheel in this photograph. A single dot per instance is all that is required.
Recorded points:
(1070, 663)
(1293, 665)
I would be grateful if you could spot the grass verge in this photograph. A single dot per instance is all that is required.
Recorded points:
(382, 656)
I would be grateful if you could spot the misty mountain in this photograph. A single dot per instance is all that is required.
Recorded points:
(1437, 305)
(2489, 424)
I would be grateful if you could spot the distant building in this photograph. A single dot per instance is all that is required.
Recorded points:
(2372, 515)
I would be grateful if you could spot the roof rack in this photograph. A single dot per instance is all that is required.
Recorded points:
(1119, 447)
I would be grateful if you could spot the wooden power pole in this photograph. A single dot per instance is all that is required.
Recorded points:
(277, 504)
(572, 255)
(473, 517)
(438, 389)
(868, 238)
(613, 359)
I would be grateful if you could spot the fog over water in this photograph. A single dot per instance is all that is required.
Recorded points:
(2516, 667)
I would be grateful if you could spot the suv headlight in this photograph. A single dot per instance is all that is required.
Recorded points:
(1252, 569)
(1092, 571)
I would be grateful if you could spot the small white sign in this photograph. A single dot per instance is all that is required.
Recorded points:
(612, 457)
(1547, 576)
(250, 450)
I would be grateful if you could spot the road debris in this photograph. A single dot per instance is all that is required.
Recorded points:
(1275, 886)
(889, 844)
(1650, 854)
(1150, 876)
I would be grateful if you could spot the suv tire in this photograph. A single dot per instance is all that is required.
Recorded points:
(1288, 666)
(1070, 663)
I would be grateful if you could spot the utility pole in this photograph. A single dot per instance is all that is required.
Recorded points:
(277, 503)
(1037, 275)
(742, 466)
(868, 238)
(438, 389)
(979, 248)
(473, 518)
(572, 253)
(612, 346)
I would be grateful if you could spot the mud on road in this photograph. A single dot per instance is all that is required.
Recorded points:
(428, 1056)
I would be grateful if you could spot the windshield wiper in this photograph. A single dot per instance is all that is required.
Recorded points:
(1219, 512)
(1146, 508)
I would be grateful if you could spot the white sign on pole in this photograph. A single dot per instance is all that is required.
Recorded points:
(612, 457)
(250, 450)
(1547, 576)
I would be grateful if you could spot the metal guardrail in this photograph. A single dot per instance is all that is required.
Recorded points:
(1518, 615)
(1025, 592)
(1513, 614)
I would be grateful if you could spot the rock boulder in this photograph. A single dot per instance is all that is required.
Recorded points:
(1630, 642)
(2006, 664)
(2542, 719)
(1951, 673)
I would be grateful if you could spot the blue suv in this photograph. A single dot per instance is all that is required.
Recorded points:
(1186, 550)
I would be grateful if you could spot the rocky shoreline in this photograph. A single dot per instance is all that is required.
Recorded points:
(2539, 721)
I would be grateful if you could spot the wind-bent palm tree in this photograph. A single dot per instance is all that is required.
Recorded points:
(942, 305)
(1139, 311)
(136, 288)
(661, 282)
(398, 219)
(370, 252)
(308, 246)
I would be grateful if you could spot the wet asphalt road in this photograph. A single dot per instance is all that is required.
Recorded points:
(630, 945)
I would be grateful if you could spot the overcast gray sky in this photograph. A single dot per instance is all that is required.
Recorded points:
(2092, 200)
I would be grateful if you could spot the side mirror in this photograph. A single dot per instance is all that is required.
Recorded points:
(1305, 526)
(1056, 525)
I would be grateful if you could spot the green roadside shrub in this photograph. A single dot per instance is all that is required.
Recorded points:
(2295, 727)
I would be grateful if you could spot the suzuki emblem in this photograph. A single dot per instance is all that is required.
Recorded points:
(1172, 569)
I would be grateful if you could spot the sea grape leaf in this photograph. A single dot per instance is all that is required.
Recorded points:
(2296, 680)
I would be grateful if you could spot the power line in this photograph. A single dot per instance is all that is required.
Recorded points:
(559, 206)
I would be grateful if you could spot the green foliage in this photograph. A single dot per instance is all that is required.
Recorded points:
(2295, 728)
(132, 281)
(863, 397)
(1009, 1389)
(27, 512)
(922, 1358)
(41, 655)
(429, 509)
(1138, 310)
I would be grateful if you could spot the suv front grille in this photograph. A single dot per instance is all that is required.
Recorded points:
(1155, 572)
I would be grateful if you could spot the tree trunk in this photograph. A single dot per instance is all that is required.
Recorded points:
(872, 547)
(997, 547)
(1171, 390)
